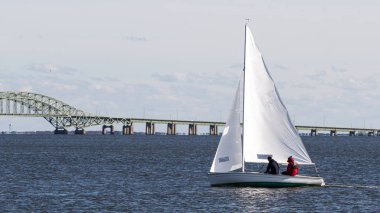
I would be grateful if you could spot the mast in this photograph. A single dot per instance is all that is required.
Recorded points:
(242, 141)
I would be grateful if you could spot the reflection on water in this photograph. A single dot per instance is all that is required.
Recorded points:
(168, 173)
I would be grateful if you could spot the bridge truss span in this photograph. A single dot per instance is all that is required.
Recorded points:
(63, 116)
(56, 112)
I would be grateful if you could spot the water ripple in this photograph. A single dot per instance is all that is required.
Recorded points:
(52, 173)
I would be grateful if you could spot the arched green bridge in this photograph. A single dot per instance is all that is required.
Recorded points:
(63, 116)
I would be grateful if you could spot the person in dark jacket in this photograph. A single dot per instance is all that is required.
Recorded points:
(272, 167)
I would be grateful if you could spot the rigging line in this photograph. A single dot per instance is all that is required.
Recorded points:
(261, 168)
(316, 169)
(242, 141)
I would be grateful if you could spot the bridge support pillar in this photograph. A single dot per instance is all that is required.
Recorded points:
(371, 133)
(352, 133)
(333, 133)
(149, 128)
(171, 129)
(79, 131)
(128, 129)
(313, 132)
(213, 129)
(105, 127)
(60, 131)
(192, 129)
(378, 133)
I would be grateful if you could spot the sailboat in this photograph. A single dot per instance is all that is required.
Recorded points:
(266, 131)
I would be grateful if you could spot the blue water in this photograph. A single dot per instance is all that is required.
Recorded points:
(114, 173)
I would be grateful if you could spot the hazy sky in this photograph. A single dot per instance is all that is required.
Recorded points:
(182, 59)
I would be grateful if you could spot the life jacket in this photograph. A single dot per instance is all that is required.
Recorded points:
(292, 169)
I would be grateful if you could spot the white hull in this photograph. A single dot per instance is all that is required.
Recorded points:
(262, 180)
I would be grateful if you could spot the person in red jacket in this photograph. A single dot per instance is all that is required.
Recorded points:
(292, 168)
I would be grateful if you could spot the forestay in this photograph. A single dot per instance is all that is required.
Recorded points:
(228, 156)
(267, 127)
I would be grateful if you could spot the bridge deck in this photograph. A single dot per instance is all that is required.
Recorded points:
(121, 120)
(62, 116)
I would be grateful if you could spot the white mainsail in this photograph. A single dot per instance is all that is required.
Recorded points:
(267, 127)
(267, 130)
(228, 156)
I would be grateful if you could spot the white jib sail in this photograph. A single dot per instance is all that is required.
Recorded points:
(267, 127)
(228, 156)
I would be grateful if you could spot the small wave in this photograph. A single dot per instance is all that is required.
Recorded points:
(351, 186)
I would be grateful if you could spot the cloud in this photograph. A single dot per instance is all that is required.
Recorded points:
(26, 89)
(335, 93)
(279, 66)
(338, 69)
(168, 77)
(103, 87)
(356, 84)
(281, 84)
(221, 78)
(239, 66)
(303, 85)
(92, 94)
(106, 84)
(51, 68)
(317, 76)
(336, 78)
(60, 86)
(36, 83)
(135, 38)
(44, 68)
